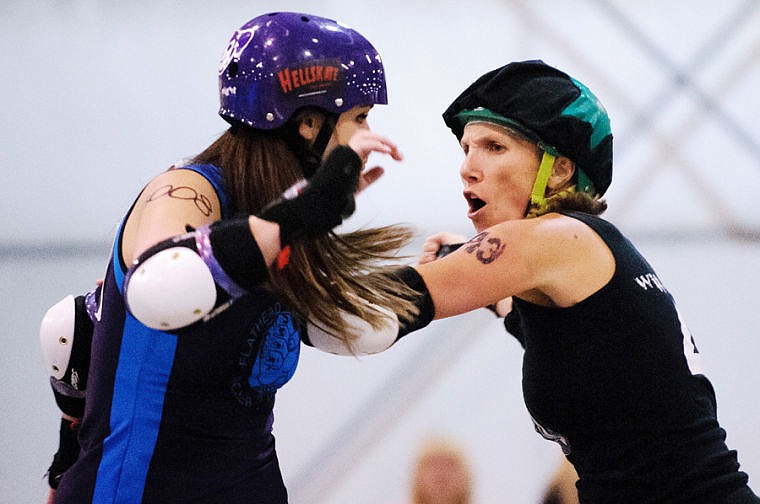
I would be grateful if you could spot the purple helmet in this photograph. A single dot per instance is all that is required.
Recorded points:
(279, 62)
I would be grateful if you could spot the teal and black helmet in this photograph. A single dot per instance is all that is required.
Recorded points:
(548, 106)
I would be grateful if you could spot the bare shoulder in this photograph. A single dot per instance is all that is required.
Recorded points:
(572, 261)
(559, 231)
(171, 201)
(180, 184)
(548, 234)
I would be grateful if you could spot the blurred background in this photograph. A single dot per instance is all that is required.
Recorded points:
(98, 97)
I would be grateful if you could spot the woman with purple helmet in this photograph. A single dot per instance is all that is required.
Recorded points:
(167, 389)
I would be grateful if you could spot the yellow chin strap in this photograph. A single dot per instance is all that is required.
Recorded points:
(542, 178)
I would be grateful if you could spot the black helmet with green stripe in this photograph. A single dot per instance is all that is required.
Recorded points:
(548, 106)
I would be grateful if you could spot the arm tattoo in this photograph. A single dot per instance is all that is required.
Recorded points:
(486, 250)
(201, 201)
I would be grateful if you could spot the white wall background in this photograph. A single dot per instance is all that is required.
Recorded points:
(98, 97)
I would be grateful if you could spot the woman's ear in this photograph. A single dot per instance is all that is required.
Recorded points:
(562, 173)
(309, 126)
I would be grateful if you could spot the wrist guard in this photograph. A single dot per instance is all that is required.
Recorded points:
(315, 206)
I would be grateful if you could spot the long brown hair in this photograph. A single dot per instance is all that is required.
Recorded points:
(326, 273)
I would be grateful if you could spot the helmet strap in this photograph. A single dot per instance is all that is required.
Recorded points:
(310, 156)
(313, 155)
(324, 135)
(542, 179)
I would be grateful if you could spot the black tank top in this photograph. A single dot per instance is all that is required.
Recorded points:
(616, 381)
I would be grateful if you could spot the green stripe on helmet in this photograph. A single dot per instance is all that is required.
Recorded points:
(588, 108)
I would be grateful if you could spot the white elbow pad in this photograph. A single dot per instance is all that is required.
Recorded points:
(57, 336)
(368, 340)
(171, 289)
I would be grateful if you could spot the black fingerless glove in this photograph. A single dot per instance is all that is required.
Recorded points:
(68, 451)
(322, 202)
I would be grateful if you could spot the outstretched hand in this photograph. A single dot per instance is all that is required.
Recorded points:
(433, 244)
(315, 206)
(364, 142)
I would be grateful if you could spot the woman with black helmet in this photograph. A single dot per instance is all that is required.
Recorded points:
(610, 370)
(169, 389)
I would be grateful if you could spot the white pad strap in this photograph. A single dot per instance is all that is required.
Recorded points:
(57, 336)
(171, 289)
(368, 339)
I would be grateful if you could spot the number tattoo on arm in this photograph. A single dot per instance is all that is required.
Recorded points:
(486, 249)
(201, 201)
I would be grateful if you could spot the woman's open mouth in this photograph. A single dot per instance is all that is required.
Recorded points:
(474, 203)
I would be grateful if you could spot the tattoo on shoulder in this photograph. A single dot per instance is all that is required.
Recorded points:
(201, 201)
(486, 249)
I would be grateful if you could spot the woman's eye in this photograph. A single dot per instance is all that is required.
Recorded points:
(494, 147)
(361, 118)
